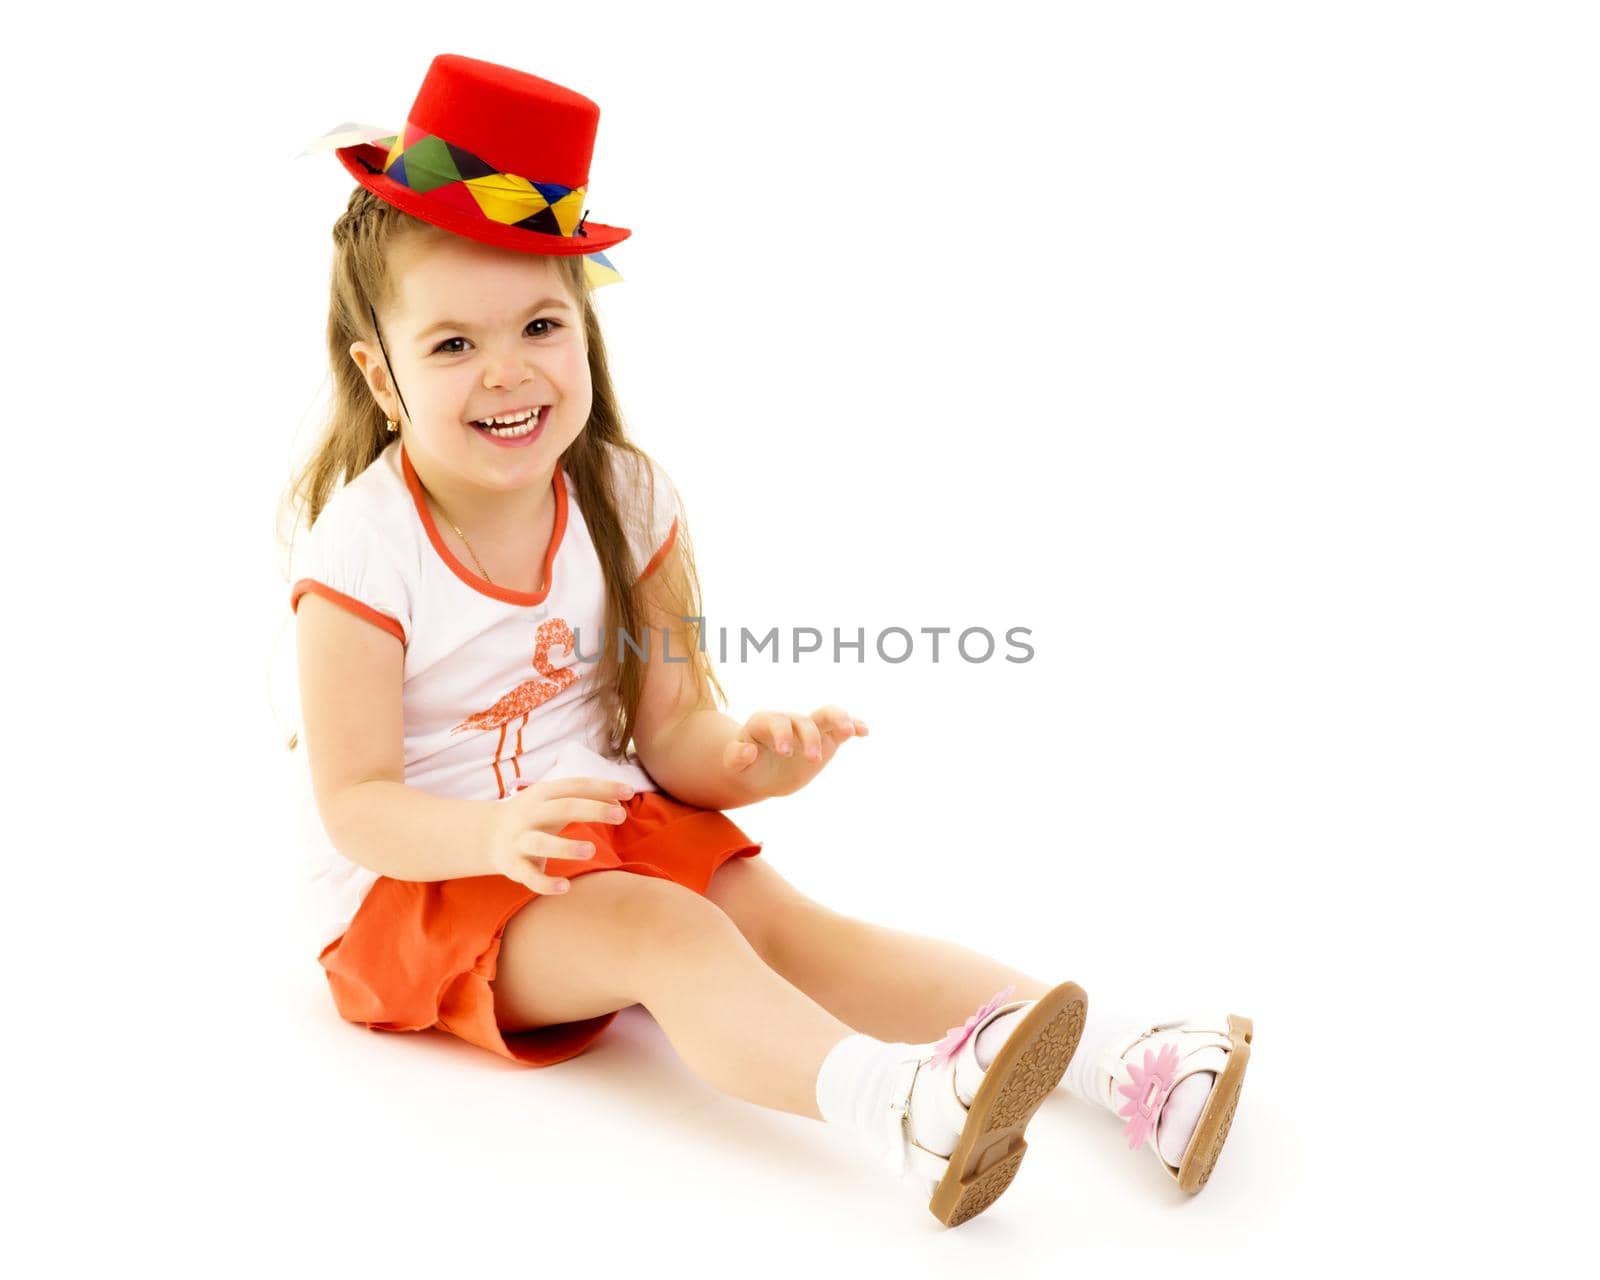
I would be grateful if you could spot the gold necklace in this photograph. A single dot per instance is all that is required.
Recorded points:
(466, 544)
(393, 427)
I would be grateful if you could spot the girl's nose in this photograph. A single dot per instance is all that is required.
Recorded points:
(509, 371)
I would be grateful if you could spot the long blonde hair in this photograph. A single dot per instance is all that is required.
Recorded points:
(355, 434)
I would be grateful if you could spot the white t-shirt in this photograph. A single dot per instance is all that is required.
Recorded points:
(493, 686)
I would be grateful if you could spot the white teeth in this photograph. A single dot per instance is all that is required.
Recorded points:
(510, 418)
(512, 433)
(521, 424)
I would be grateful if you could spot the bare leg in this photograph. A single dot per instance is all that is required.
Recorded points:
(890, 984)
(616, 939)
(739, 1025)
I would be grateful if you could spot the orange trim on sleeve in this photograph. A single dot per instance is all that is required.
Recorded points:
(365, 612)
(661, 552)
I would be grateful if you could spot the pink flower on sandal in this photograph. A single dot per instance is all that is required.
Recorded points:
(947, 1048)
(1148, 1092)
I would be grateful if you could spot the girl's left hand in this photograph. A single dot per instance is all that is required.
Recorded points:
(776, 753)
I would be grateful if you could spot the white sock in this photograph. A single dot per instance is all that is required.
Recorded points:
(856, 1082)
(1099, 1030)
(994, 1035)
(1181, 1111)
(855, 1087)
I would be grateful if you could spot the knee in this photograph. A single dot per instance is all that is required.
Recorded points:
(797, 928)
(658, 914)
(777, 920)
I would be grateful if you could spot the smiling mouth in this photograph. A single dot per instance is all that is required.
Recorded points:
(515, 428)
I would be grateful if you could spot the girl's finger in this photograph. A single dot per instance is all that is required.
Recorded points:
(835, 721)
(541, 845)
(553, 815)
(810, 737)
(536, 880)
(772, 728)
(578, 788)
(739, 755)
(783, 732)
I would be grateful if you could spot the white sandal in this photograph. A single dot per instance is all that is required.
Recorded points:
(1137, 1074)
(983, 1134)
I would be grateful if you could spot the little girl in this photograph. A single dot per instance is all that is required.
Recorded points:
(513, 856)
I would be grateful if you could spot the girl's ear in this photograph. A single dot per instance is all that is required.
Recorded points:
(372, 370)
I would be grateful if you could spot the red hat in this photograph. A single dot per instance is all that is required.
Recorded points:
(490, 153)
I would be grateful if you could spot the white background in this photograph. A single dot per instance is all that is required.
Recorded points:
(1243, 352)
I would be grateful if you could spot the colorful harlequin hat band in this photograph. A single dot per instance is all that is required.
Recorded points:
(490, 153)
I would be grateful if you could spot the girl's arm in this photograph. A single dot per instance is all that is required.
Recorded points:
(679, 734)
(353, 730)
(697, 753)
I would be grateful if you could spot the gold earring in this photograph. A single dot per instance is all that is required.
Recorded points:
(393, 426)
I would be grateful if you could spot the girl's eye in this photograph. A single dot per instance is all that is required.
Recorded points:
(554, 324)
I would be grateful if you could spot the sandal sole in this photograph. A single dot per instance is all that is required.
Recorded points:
(1212, 1129)
(1026, 1071)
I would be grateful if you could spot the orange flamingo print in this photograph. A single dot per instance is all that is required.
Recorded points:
(527, 696)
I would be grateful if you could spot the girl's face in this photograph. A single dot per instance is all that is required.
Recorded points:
(475, 332)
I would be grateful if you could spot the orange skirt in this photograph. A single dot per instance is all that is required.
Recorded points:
(421, 954)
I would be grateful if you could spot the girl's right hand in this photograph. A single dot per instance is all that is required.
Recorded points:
(522, 827)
